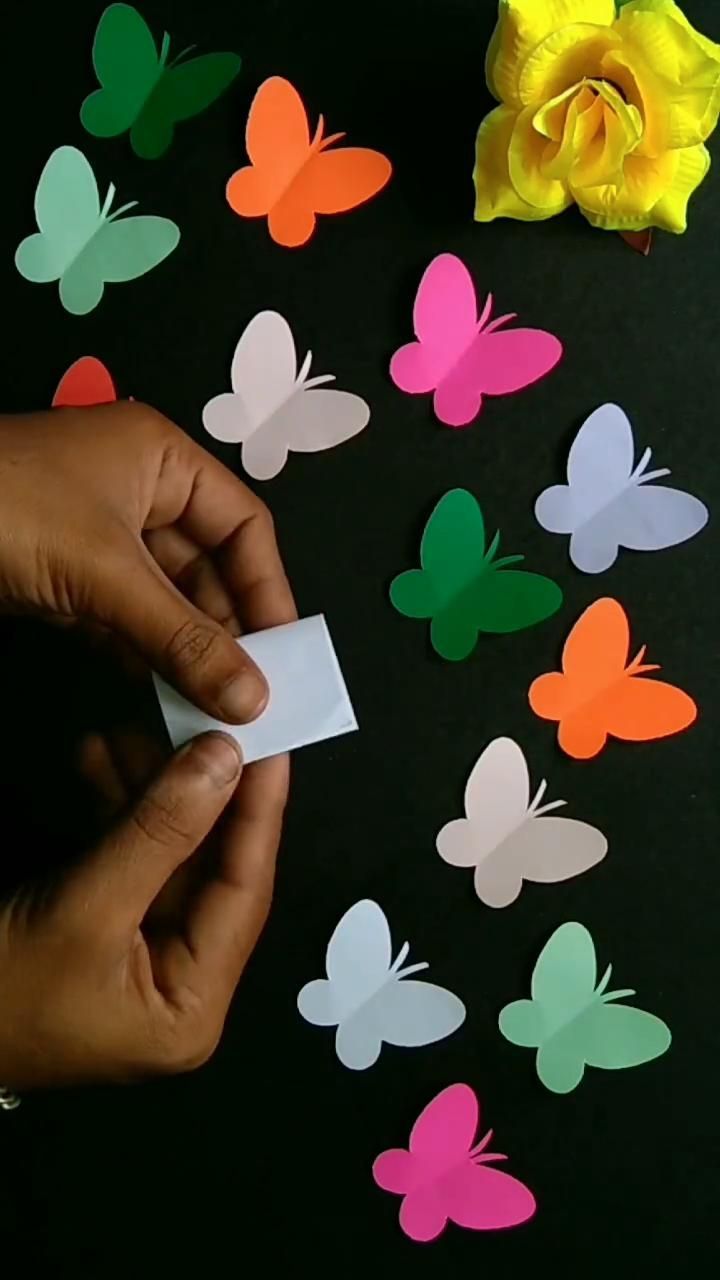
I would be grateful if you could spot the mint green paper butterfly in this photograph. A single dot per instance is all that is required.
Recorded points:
(573, 1024)
(141, 91)
(81, 244)
(463, 588)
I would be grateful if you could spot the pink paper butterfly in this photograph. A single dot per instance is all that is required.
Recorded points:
(444, 1178)
(460, 357)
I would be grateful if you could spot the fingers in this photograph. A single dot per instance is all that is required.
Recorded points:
(230, 911)
(213, 509)
(166, 826)
(184, 645)
(193, 573)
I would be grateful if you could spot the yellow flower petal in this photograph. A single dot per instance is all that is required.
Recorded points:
(496, 196)
(522, 25)
(601, 162)
(583, 120)
(644, 90)
(614, 206)
(525, 163)
(566, 56)
(674, 11)
(689, 77)
(670, 213)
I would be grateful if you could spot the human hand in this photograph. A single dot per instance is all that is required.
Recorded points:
(102, 980)
(113, 516)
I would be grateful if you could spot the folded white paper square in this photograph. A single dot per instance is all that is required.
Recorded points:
(309, 701)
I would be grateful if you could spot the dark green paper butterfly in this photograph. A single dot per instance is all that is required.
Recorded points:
(463, 588)
(141, 91)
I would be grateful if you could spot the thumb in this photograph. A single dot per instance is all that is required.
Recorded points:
(168, 823)
(185, 646)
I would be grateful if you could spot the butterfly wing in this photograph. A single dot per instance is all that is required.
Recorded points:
(119, 251)
(508, 360)
(67, 210)
(323, 417)
(484, 1199)
(510, 600)
(497, 797)
(600, 464)
(447, 1126)
(594, 659)
(263, 375)
(306, 423)
(357, 963)
(127, 66)
(182, 91)
(408, 1014)
(451, 555)
(641, 710)
(617, 1036)
(278, 144)
(86, 382)
(565, 974)
(550, 849)
(522, 1023)
(653, 517)
(445, 321)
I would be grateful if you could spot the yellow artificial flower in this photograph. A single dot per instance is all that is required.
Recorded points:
(604, 108)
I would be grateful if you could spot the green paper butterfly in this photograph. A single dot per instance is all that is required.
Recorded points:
(141, 91)
(573, 1024)
(83, 245)
(463, 588)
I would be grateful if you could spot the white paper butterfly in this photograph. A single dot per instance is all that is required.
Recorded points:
(272, 408)
(607, 505)
(508, 839)
(367, 995)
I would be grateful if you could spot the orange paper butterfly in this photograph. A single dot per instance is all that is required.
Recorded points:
(598, 696)
(293, 177)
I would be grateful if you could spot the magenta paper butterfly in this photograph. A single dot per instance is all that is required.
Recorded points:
(460, 357)
(444, 1178)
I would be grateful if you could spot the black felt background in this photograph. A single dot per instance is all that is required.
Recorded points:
(261, 1162)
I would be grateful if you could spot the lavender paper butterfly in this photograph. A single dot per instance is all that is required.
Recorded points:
(607, 504)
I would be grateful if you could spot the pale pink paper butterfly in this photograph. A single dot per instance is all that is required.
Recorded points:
(444, 1178)
(463, 357)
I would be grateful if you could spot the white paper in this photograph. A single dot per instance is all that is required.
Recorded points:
(309, 701)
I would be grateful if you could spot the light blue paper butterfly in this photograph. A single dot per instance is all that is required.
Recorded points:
(82, 244)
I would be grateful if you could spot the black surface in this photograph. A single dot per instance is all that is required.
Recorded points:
(262, 1160)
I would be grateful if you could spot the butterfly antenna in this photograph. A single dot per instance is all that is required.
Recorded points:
(617, 995)
(182, 54)
(482, 1145)
(641, 476)
(486, 313)
(604, 981)
(304, 368)
(123, 209)
(493, 548)
(108, 201)
(164, 48)
(512, 315)
(637, 666)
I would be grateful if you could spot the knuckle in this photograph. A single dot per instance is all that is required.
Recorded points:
(159, 819)
(194, 645)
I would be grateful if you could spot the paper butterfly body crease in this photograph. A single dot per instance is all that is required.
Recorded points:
(573, 1023)
(141, 90)
(292, 176)
(274, 408)
(86, 382)
(598, 695)
(81, 243)
(368, 997)
(462, 588)
(508, 838)
(444, 1178)
(461, 356)
(609, 503)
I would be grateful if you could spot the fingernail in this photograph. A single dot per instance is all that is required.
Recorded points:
(244, 697)
(217, 755)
